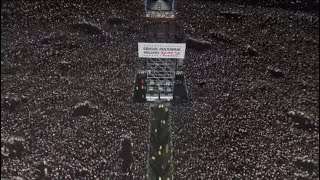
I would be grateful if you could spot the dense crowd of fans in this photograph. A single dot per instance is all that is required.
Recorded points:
(76, 131)
(225, 134)
(65, 145)
(235, 125)
(238, 123)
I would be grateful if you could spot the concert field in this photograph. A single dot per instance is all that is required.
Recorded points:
(252, 74)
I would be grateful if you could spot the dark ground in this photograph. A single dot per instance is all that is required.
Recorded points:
(254, 89)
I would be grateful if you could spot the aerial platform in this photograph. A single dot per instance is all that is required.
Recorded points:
(150, 89)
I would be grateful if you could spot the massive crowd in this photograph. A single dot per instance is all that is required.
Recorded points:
(59, 141)
(226, 134)
(235, 125)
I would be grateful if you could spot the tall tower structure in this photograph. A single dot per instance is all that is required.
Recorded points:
(161, 53)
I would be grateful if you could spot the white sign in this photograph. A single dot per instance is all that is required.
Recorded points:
(162, 50)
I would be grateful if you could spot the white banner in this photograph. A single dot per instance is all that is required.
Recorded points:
(162, 50)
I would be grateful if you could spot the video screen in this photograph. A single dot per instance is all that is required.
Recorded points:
(159, 5)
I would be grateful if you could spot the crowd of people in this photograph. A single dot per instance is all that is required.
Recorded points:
(58, 143)
(224, 133)
(235, 125)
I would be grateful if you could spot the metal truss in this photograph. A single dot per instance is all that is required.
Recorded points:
(161, 74)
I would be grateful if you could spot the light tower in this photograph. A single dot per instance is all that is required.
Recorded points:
(161, 53)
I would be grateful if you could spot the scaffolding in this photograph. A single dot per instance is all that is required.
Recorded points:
(158, 75)
(160, 78)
